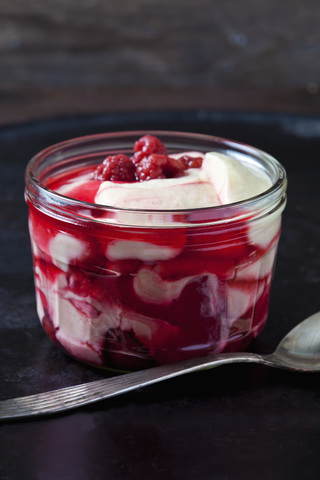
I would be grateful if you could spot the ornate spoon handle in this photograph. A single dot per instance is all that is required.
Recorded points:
(78, 395)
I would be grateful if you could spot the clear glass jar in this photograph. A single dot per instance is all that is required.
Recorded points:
(127, 289)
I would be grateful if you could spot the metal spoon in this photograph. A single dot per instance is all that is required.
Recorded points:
(299, 351)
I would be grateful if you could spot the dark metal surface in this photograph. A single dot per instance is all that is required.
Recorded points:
(234, 422)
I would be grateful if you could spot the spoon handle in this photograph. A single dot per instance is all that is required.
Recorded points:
(78, 395)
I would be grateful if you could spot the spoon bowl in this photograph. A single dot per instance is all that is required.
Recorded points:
(299, 350)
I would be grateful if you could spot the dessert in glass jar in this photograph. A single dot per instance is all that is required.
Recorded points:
(153, 247)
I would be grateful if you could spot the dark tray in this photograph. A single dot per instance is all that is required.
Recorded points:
(234, 422)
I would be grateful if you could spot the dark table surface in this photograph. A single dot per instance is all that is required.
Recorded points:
(234, 422)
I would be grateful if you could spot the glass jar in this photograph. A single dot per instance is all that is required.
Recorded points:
(127, 289)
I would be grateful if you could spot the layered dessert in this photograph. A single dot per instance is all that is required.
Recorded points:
(188, 275)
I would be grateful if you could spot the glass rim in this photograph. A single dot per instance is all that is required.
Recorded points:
(36, 190)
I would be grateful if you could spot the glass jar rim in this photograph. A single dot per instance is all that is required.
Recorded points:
(60, 205)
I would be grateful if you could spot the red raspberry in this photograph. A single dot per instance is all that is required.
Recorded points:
(149, 144)
(151, 167)
(189, 162)
(137, 157)
(149, 161)
(163, 166)
(174, 167)
(116, 168)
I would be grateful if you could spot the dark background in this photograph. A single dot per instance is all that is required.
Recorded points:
(243, 69)
(61, 57)
(238, 422)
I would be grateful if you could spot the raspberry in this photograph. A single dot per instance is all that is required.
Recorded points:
(116, 168)
(190, 162)
(174, 167)
(137, 157)
(149, 161)
(158, 166)
(151, 167)
(149, 144)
